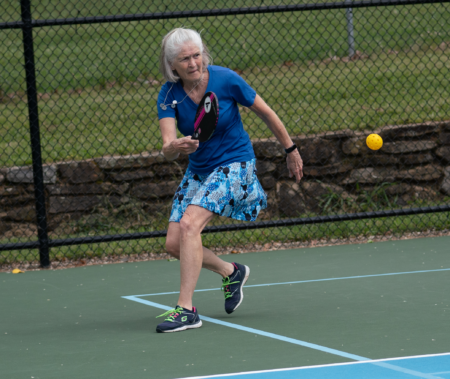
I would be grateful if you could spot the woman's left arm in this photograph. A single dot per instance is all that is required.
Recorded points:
(293, 159)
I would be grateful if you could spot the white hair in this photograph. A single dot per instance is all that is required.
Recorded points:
(171, 46)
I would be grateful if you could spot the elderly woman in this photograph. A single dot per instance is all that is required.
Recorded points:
(221, 176)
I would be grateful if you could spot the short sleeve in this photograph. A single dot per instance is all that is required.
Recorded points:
(240, 90)
(169, 111)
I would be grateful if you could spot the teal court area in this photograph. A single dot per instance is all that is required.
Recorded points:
(375, 310)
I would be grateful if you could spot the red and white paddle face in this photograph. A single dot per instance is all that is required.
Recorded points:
(206, 117)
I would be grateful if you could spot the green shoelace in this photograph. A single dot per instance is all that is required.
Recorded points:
(172, 313)
(225, 283)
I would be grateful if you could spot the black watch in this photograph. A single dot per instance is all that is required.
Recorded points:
(290, 149)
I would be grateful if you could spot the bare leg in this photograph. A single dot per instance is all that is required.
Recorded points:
(210, 261)
(191, 251)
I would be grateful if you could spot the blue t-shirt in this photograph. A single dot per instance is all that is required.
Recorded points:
(230, 142)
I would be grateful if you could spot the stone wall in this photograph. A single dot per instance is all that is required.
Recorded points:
(415, 160)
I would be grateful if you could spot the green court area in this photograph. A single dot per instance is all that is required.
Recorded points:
(304, 307)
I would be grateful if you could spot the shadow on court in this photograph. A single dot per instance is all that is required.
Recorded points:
(304, 307)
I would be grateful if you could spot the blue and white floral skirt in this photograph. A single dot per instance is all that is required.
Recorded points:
(231, 191)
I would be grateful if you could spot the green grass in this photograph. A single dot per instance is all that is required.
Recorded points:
(393, 226)
(47, 9)
(84, 55)
(120, 117)
(411, 86)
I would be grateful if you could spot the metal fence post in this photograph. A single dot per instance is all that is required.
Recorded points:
(38, 175)
(351, 37)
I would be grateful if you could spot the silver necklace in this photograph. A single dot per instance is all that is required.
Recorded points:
(174, 103)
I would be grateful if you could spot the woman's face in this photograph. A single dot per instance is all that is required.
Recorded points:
(188, 63)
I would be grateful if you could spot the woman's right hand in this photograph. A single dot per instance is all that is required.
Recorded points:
(173, 146)
(185, 145)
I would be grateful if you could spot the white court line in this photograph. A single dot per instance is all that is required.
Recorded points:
(290, 340)
(321, 366)
(259, 332)
(305, 281)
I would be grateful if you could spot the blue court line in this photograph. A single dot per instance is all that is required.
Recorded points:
(291, 340)
(305, 281)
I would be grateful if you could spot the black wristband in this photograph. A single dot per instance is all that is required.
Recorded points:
(291, 149)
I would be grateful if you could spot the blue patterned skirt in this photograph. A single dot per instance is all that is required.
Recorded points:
(230, 191)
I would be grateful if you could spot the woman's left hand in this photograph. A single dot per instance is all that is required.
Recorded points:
(295, 165)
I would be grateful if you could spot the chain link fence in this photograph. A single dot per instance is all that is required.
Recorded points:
(82, 177)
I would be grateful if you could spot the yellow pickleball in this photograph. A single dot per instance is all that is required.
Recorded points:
(374, 142)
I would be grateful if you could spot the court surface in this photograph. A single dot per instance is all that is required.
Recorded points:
(375, 310)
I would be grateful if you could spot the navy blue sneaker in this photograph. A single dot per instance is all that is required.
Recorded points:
(232, 286)
(179, 319)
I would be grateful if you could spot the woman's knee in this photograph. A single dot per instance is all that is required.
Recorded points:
(188, 225)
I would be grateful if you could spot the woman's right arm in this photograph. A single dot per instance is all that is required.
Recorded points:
(173, 146)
